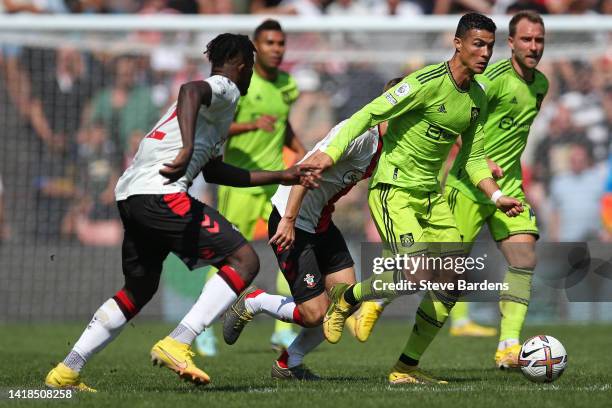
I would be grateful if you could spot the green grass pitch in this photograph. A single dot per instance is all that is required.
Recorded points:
(355, 373)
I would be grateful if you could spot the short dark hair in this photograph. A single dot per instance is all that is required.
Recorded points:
(267, 25)
(530, 15)
(392, 83)
(225, 47)
(474, 21)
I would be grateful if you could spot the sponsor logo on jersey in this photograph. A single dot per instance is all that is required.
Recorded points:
(442, 109)
(407, 240)
(508, 122)
(391, 99)
(437, 133)
(514, 101)
(402, 90)
(309, 279)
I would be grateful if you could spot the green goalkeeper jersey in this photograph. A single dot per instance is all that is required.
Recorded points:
(259, 149)
(513, 106)
(426, 112)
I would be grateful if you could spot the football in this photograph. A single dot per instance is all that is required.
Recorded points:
(542, 359)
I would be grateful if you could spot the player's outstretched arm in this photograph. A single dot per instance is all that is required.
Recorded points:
(218, 172)
(285, 232)
(191, 96)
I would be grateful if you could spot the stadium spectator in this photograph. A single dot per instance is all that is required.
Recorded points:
(347, 8)
(93, 217)
(575, 198)
(58, 98)
(126, 108)
(514, 6)
(550, 156)
(571, 6)
(396, 8)
(201, 6)
(301, 7)
(460, 6)
(605, 7)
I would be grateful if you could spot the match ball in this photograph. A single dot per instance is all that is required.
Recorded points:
(542, 359)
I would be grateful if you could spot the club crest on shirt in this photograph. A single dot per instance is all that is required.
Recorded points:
(309, 279)
(475, 113)
(407, 240)
(351, 177)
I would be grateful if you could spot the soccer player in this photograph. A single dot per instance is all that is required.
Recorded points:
(515, 90)
(260, 130)
(426, 113)
(159, 216)
(310, 249)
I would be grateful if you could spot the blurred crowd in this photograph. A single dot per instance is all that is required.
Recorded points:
(74, 118)
(305, 7)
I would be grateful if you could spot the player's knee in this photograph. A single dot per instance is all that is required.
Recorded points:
(525, 260)
(312, 319)
(312, 314)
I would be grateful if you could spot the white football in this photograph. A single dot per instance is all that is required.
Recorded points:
(542, 359)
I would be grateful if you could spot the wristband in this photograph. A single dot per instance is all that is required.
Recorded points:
(496, 196)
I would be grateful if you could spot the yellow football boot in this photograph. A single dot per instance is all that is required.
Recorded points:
(471, 329)
(508, 358)
(337, 313)
(404, 374)
(365, 319)
(62, 376)
(178, 357)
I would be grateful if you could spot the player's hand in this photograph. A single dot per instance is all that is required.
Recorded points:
(285, 234)
(265, 122)
(175, 170)
(303, 174)
(496, 170)
(510, 206)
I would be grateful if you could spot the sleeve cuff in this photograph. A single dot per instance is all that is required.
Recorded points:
(478, 175)
(333, 152)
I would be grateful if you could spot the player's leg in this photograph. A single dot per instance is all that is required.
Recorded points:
(470, 217)
(283, 334)
(142, 261)
(300, 267)
(394, 212)
(517, 237)
(231, 204)
(334, 259)
(200, 231)
(433, 311)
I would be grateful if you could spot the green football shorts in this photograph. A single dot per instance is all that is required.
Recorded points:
(413, 222)
(243, 209)
(471, 216)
